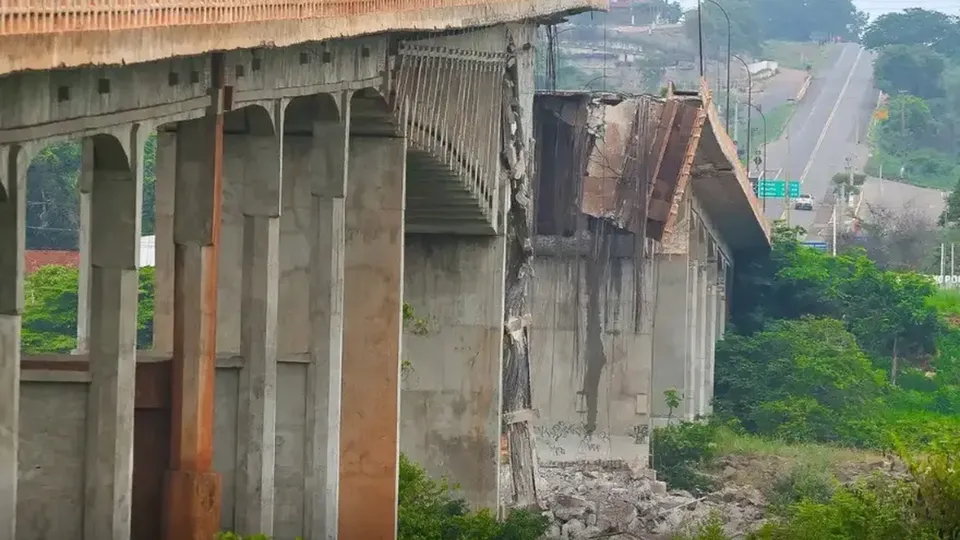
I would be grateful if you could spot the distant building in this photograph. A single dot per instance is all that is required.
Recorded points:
(35, 259)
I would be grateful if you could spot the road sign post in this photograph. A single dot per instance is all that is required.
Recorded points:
(775, 189)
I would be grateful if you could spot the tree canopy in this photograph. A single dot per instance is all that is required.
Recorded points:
(803, 20)
(915, 26)
(914, 69)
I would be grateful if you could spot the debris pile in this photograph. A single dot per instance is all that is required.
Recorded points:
(591, 500)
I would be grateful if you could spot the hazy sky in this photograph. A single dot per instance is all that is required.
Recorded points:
(879, 7)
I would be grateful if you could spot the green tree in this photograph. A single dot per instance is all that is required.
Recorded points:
(914, 69)
(811, 19)
(801, 380)
(50, 310)
(53, 203)
(53, 197)
(914, 26)
(908, 126)
(794, 281)
(745, 36)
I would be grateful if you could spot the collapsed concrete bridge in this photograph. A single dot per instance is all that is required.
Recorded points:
(317, 165)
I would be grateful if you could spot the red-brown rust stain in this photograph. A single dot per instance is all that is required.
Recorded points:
(54, 365)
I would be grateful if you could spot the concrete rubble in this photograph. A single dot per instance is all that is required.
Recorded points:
(597, 500)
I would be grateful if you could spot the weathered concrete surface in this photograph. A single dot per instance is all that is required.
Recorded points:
(13, 167)
(373, 293)
(691, 270)
(450, 416)
(592, 344)
(114, 288)
(191, 33)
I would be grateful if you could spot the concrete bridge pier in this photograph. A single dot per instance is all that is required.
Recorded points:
(691, 270)
(13, 177)
(114, 287)
(192, 488)
(373, 298)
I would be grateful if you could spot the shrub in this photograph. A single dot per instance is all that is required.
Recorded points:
(709, 529)
(427, 511)
(802, 482)
(681, 451)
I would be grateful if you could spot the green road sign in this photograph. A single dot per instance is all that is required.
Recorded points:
(774, 189)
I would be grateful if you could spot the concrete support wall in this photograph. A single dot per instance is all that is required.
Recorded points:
(13, 177)
(450, 418)
(53, 458)
(592, 356)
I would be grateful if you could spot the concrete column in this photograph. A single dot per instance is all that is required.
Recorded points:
(704, 324)
(670, 333)
(373, 294)
(114, 285)
(321, 493)
(193, 490)
(83, 244)
(13, 196)
(165, 168)
(260, 154)
(693, 320)
(713, 323)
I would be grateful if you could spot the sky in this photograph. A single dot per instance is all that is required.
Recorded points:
(878, 7)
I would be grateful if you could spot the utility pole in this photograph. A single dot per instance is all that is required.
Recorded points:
(786, 179)
(881, 180)
(833, 245)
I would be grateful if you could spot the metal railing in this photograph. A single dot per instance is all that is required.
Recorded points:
(454, 102)
(20, 17)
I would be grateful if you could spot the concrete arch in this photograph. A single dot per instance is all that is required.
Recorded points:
(109, 153)
(258, 119)
(302, 112)
(371, 114)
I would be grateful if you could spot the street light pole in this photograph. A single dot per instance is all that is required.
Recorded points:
(700, 33)
(729, 52)
(763, 170)
(749, 104)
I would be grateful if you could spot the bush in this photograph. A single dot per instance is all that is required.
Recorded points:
(681, 451)
(709, 529)
(798, 380)
(803, 482)
(427, 511)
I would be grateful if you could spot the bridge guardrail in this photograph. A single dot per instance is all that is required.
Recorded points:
(25, 17)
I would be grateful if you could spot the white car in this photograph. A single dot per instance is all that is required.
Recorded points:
(803, 202)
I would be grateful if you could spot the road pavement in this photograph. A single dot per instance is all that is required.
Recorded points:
(823, 134)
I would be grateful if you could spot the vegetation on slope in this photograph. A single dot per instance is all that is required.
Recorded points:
(918, 66)
(828, 355)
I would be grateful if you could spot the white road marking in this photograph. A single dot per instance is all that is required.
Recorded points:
(826, 126)
(803, 126)
(833, 113)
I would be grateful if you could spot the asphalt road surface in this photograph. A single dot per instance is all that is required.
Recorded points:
(823, 134)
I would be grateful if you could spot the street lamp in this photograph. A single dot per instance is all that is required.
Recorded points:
(763, 171)
(729, 52)
(749, 102)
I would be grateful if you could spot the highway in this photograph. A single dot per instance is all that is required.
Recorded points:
(823, 133)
